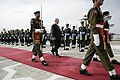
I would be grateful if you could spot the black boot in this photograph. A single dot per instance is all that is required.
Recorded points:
(95, 59)
(52, 52)
(115, 62)
(58, 56)
(34, 60)
(82, 50)
(84, 72)
(44, 63)
(114, 77)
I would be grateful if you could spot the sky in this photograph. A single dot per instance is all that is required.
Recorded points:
(16, 14)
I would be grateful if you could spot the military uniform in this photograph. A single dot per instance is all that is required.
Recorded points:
(87, 37)
(67, 37)
(37, 30)
(95, 18)
(44, 38)
(13, 37)
(37, 38)
(74, 35)
(27, 37)
(22, 37)
(81, 40)
(17, 37)
(62, 34)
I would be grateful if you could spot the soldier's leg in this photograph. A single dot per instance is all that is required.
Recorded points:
(110, 53)
(103, 56)
(82, 44)
(39, 52)
(89, 55)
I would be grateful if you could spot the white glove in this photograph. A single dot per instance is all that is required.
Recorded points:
(106, 18)
(96, 39)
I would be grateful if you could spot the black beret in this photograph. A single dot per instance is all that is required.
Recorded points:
(106, 13)
(82, 22)
(36, 12)
(67, 24)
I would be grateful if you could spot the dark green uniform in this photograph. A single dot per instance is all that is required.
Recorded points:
(36, 24)
(96, 21)
(106, 33)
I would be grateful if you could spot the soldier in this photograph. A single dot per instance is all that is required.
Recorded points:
(17, 37)
(87, 37)
(44, 38)
(63, 34)
(107, 26)
(67, 37)
(27, 37)
(13, 37)
(9, 37)
(74, 35)
(2, 37)
(82, 33)
(5, 37)
(22, 36)
(56, 37)
(37, 30)
(95, 18)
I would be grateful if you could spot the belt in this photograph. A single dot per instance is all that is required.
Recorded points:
(100, 28)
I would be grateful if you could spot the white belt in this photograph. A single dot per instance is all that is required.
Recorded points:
(67, 34)
(106, 29)
(39, 30)
(99, 25)
(83, 32)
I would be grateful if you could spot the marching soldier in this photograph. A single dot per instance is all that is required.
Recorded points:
(106, 33)
(67, 37)
(82, 33)
(95, 18)
(56, 37)
(37, 30)
(74, 35)
(22, 35)
(107, 26)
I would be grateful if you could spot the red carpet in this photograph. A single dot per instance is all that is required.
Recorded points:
(65, 66)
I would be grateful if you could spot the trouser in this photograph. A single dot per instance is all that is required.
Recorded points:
(17, 40)
(108, 47)
(55, 47)
(67, 42)
(82, 42)
(36, 50)
(88, 41)
(101, 53)
(74, 40)
(22, 41)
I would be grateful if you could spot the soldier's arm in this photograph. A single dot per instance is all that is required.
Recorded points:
(92, 20)
(32, 23)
